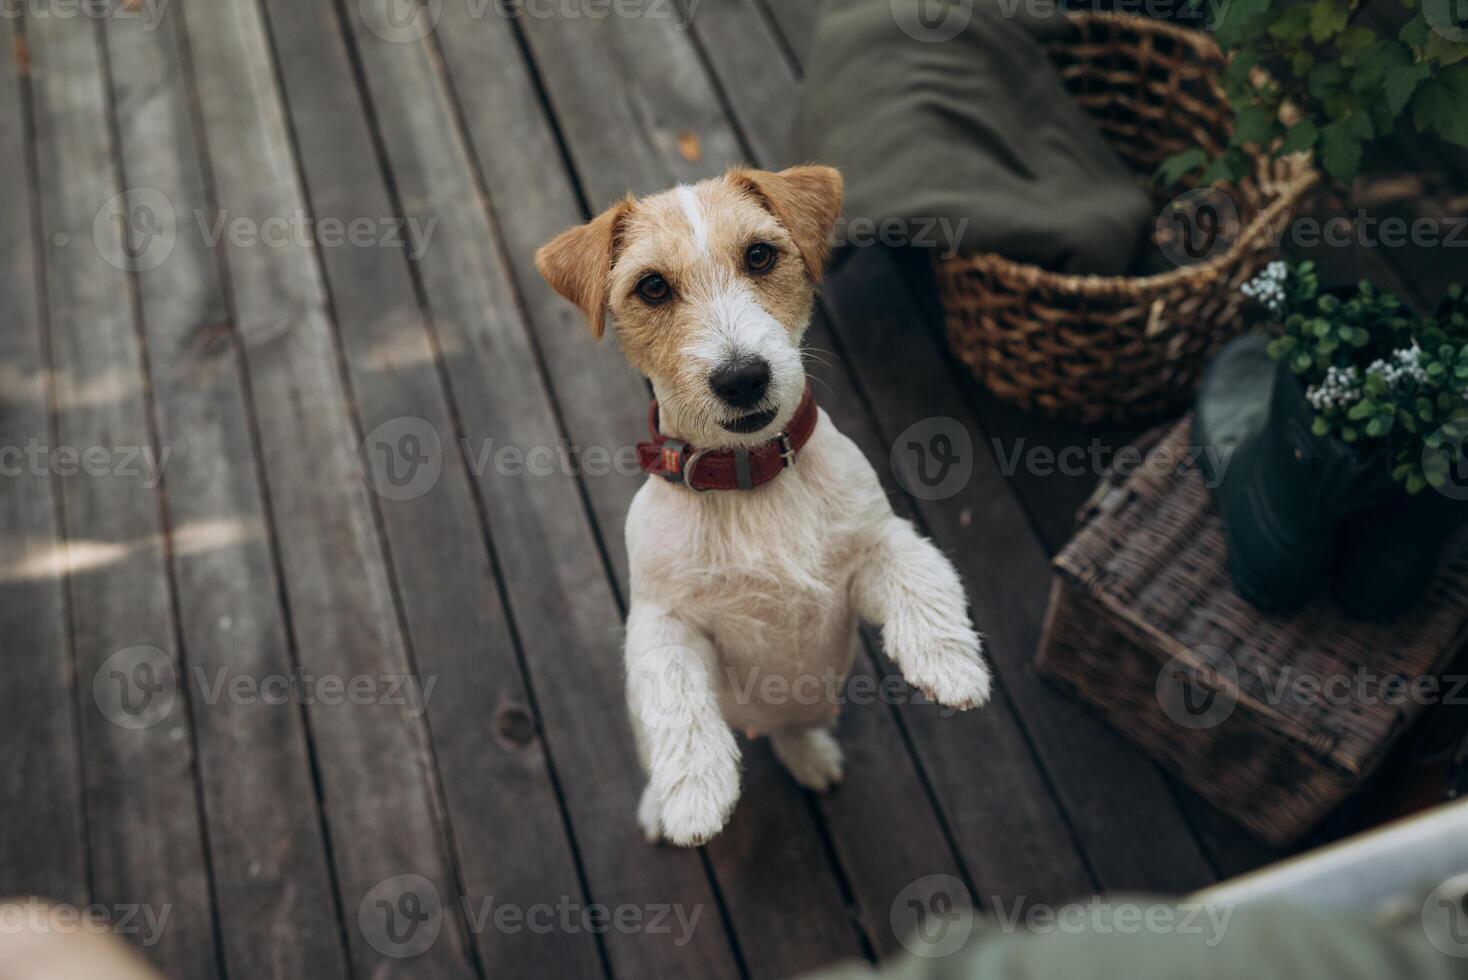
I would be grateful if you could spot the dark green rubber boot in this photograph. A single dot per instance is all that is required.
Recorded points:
(1388, 553)
(1280, 488)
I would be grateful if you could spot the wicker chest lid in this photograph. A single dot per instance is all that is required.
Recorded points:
(1324, 691)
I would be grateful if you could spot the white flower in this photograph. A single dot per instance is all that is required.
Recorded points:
(1405, 363)
(1268, 287)
(1340, 388)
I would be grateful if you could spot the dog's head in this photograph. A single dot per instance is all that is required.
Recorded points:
(711, 289)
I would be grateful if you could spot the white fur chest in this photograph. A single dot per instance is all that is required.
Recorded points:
(765, 574)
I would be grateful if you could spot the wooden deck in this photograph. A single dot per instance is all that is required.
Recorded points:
(151, 761)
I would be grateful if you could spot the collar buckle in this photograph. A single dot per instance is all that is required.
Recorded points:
(688, 467)
(787, 448)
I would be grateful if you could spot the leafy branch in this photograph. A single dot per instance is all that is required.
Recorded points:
(1347, 83)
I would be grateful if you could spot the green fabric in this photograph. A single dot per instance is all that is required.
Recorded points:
(1256, 942)
(975, 129)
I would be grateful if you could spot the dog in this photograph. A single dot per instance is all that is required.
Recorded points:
(762, 536)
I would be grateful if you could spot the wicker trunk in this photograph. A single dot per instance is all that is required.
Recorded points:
(1274, 720)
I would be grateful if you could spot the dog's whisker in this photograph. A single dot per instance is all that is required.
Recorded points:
(815, 379)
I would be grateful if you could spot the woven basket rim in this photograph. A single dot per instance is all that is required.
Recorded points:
(1305, 177)
(1197, 40)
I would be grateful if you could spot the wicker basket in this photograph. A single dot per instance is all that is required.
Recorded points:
(1141, 593)
(1096, 348)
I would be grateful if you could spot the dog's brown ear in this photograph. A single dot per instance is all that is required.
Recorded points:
(577, 262)
(807, 200)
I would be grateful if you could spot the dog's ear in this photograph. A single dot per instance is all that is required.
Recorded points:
(577, 262)
(807, 200)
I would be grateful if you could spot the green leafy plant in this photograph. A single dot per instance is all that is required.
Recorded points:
(1348, 83)
(1376, 376)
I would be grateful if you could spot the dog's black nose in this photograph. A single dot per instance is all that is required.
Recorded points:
(742, 383)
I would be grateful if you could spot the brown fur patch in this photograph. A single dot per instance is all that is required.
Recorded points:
(658, 238)
(807, 200)
(599, 265)
(576, 262)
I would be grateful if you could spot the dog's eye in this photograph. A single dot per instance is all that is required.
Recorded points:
(760, 257)
(653, 289)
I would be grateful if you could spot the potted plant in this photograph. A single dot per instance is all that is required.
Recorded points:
(1354, 468)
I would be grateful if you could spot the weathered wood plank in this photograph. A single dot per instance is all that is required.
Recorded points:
(1096, 775)
(560, 597)
(515, 149)
(143, 818)
(897, 794)
(278, 914)
(374, 759)
(1014, 838)
(42, 837)
(510, 832)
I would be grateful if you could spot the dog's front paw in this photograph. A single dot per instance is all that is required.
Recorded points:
(696, 805)
(952, 673)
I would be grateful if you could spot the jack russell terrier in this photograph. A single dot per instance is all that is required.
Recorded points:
(762, 536)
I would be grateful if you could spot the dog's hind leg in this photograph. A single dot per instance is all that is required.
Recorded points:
(811, 756)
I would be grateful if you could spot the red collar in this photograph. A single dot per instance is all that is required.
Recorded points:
(727, 469)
